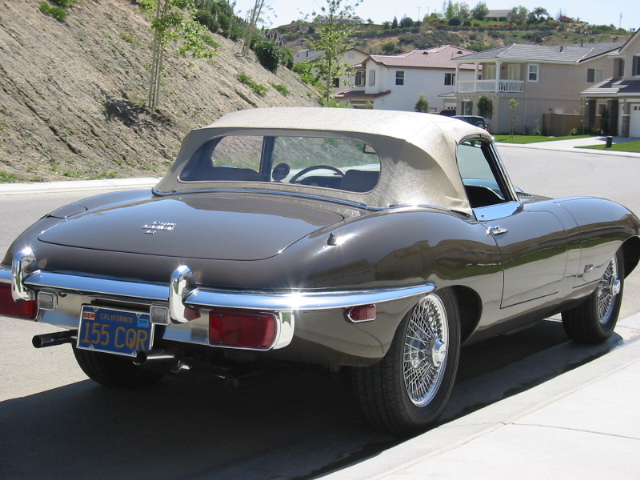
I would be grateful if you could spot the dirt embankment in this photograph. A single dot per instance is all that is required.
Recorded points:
(71, 93)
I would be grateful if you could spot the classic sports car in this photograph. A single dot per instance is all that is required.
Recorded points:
(379, 241)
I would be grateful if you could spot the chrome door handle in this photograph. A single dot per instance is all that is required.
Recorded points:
(493, 231)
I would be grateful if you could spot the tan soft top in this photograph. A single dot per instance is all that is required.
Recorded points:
(417, 151)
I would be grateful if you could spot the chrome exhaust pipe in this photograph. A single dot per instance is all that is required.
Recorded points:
(165, 357)
(56, 338)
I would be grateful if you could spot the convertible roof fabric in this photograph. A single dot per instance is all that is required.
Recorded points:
(417, 151)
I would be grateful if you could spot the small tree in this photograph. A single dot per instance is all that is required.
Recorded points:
(512, 116)
(174, 20)
(332, 36)
(422, 105)
(485, 106)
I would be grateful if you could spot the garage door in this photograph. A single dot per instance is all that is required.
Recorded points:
(634, 121)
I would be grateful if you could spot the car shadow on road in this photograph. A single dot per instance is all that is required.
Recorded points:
(294, 424)
(291, 425)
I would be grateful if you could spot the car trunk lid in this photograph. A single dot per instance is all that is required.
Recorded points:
(213, 226)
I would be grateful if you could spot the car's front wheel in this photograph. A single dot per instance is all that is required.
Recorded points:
(595, 318)
(408, 389)
(112, 370)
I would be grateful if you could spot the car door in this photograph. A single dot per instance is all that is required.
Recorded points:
(531, 240)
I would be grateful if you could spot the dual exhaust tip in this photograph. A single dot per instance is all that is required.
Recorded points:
(168, 357)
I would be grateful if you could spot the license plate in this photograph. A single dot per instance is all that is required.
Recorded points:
(122, 332)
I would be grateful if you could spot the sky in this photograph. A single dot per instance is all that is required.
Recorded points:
(594, 12)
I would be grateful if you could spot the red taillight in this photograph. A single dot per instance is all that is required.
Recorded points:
(242, 329)
(362, 313)
(27, 310)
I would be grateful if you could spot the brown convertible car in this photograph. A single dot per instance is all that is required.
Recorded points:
(378, 241)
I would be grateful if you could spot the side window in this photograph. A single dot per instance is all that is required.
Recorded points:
(232, 158)
(480, 175)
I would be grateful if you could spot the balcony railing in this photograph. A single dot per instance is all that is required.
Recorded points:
(499, 86)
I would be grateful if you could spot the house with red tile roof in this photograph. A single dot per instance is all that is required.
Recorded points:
(395, 82)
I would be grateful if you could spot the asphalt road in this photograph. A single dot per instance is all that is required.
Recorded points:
(291, 424)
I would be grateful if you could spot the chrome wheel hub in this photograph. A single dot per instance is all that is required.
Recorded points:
(425, 350)
(608, 289)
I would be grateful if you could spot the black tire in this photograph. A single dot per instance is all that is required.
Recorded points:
(593, 321)
(388, 399)
(112, 370)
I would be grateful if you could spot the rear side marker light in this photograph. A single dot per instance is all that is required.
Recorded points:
(243, 329)
(27, 310)
(362, 313)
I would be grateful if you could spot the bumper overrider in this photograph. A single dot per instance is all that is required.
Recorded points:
(187, 312)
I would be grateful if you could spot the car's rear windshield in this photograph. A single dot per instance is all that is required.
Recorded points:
(338, 163)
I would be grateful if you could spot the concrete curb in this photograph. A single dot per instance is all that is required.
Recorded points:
(77, 186)
(412, 459)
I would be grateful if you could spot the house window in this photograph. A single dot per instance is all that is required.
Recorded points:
(400, 77)
(372, 78)
(360, 78)
(513, 71)
(619, 67)
(449, 78)
(594, 75)
(467, 107)
(635, 71)
(532, 74)
(335, 82)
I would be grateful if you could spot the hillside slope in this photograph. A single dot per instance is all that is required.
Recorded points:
(71, 93)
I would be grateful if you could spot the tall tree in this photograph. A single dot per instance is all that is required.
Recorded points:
(333, 31)
(480, 11)
(174, 20)
(252, 21)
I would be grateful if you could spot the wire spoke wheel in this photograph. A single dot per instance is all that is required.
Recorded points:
(608, 288)
(425, 350)
(408, 389)
(594, 319)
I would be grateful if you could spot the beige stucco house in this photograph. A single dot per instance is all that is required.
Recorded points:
(544, 81)
(619, 94)
(395, 82)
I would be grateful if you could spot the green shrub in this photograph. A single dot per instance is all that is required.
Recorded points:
(268, 54)
(259, 89)
(282, 89)
(286, 58)
(55, 12)
(8, 177)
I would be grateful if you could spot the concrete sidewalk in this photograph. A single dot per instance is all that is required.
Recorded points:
(571, 145)
(584, 424)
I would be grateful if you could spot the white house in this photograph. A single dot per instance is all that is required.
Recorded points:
(395, 82)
